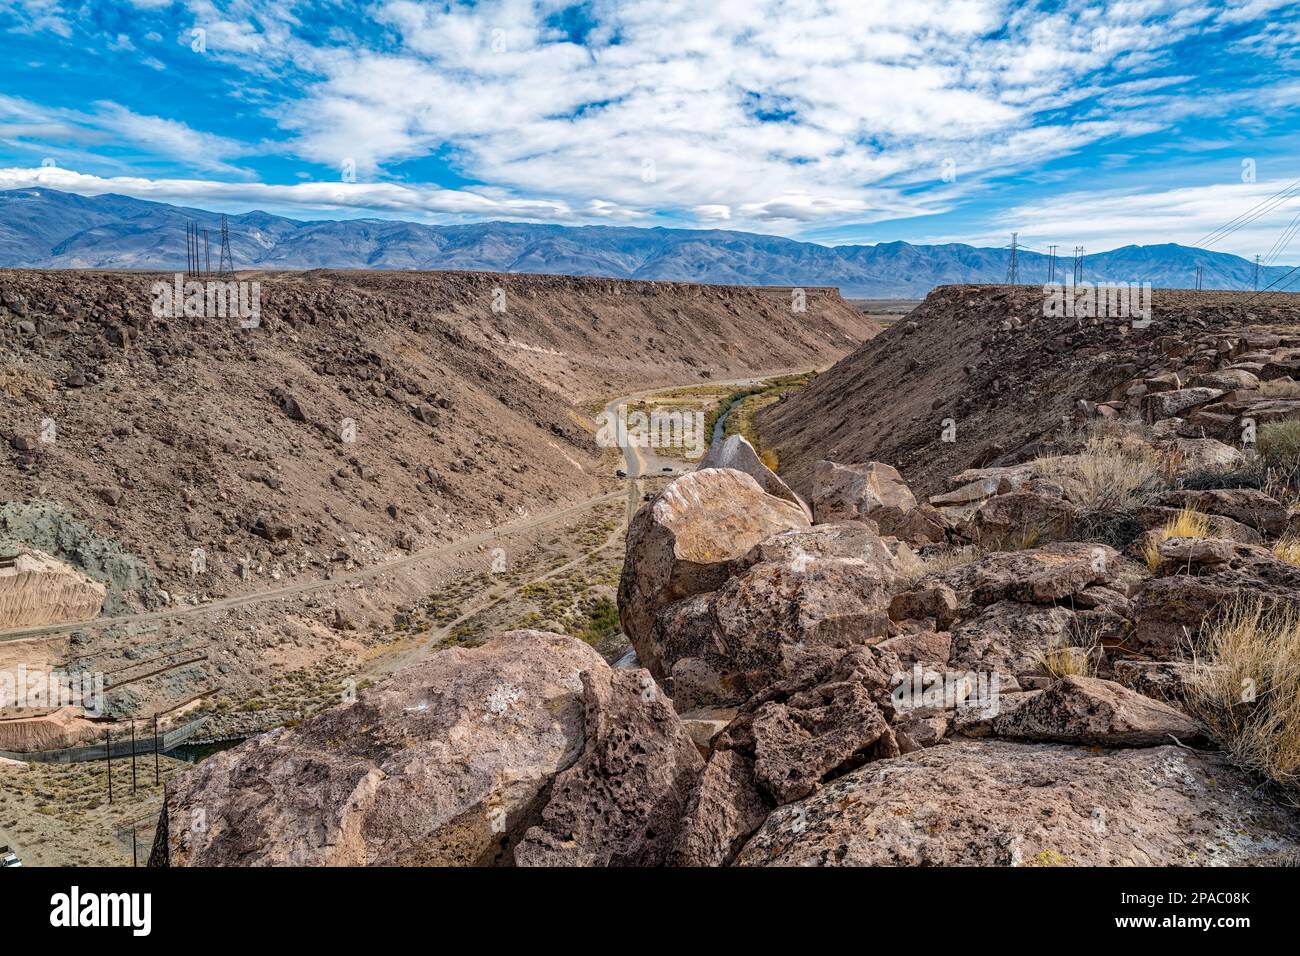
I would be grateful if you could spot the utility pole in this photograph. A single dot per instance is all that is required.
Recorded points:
(108, 752)
(133, 757)
(155, 750)
(1051, 263)
(207, 255)
(1013, 269)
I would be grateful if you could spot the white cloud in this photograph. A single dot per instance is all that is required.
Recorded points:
(865, 96)
(766, 114)
(408, 202)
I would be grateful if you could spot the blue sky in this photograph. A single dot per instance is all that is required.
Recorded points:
(1093, 123)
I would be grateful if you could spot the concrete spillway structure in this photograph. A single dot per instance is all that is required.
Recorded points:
(37, 589)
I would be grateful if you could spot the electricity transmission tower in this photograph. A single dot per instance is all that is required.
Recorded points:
(1198, 278)
(1078, 264)
(1255, 284)
(1013, 269)
(1051, 263)
(226, 263)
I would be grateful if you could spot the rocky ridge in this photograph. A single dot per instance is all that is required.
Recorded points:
(827, 693)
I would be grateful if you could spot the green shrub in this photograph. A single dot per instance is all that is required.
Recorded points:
(602, 621)
(1279, 445)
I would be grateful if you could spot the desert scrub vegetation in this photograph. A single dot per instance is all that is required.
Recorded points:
(1243, 685)
(1287, 548)
(1115, 469)
(1279, 449)
(1279, 388)
(939, 561)
(1078, 654)
(1188, 523)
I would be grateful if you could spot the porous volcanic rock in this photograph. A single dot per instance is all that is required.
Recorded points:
(1086, 710)
(686, 541)
(1249, 506)
(725, 808)
(444, 763)
(1170, 608)
(834, 711)
(994, 803)
(1037, 513)
(1041, 575)
(877, 492)
(1009, 638)
(829, 586)
(737, 453)
(621, 803)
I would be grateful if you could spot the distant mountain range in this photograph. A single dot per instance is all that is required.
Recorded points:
(46, 228)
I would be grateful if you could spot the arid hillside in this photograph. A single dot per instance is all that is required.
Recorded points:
(976, 375)
(368, 413)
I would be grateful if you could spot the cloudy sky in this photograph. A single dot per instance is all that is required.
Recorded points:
(1093, 123)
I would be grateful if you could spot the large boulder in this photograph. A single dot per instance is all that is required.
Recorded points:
(1159, 405)
(444, 763)
(827, 587)
(1010, 639)
(737, 453)
(1089, 711)
(1044, 575)
(994, 803)
(1037, 513)
(726, 807)
(875, 492)
(1196, 454)
(621, 803)
(832, 712)
(1170, 610)
(1249, 506)
(1155, 518)
(686, 542)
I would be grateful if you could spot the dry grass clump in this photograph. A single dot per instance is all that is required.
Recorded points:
(939, 561)
(1245, 688)
(1279, 388)
(1078, 654)
(1279, 448)
(1287, 548)
(1116, 468)
(1188, 523)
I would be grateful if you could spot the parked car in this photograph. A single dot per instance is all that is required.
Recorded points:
(8, 857)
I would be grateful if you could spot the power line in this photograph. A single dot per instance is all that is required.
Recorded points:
(1283, 240)
(1261, 208)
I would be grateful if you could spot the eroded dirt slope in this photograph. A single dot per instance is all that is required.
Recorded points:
(987, 362)
(171, 434)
